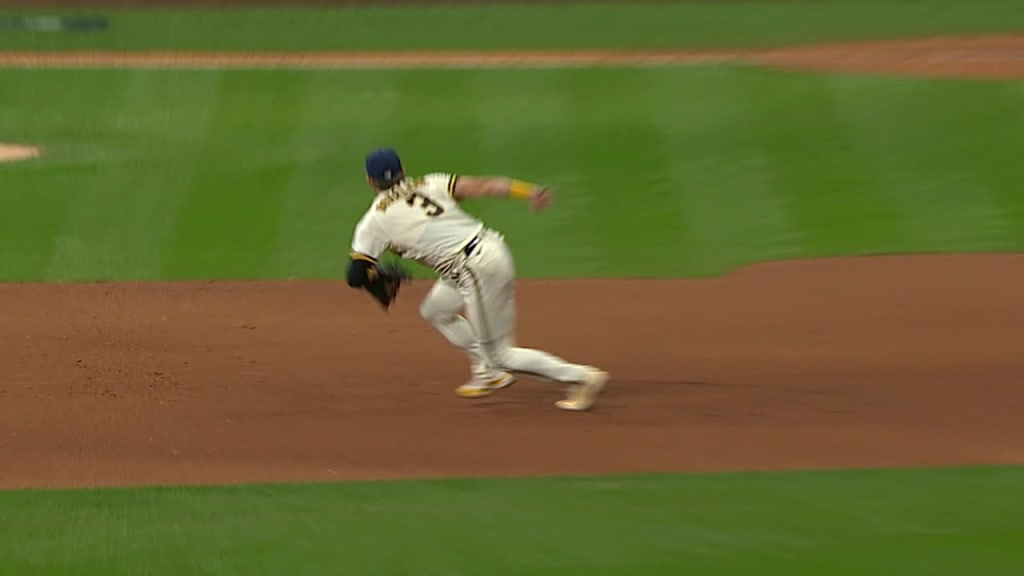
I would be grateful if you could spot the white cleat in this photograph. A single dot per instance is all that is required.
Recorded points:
(477, 388)
(582, 396)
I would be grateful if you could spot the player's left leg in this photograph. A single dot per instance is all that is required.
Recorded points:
(442, 308)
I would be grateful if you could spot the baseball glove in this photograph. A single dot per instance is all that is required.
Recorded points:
(386, 280)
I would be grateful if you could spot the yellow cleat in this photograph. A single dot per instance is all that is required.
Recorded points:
(479, 388)
(583, 395)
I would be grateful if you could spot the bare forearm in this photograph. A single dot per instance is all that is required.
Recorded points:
(499, 187)
(492, 187)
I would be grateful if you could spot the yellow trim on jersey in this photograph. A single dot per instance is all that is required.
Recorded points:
(363, 257)
(451, 184)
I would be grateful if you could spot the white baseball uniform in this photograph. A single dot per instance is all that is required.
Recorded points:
(419, 219)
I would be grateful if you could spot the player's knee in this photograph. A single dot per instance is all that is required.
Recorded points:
(427, 311)
(435, 314)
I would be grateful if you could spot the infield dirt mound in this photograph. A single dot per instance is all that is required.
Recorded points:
(853, 362)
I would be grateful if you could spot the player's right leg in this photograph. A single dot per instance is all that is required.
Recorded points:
(488, 287)
(442, 308)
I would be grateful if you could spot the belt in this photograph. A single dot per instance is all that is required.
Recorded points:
(469, 247)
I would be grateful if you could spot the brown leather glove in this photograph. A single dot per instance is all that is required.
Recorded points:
(386, 280)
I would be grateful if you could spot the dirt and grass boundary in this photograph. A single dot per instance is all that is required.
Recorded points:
(892, 361)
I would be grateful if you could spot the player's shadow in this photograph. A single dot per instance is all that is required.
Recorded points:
(642, 401)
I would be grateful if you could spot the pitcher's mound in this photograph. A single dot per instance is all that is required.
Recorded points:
(17, 152)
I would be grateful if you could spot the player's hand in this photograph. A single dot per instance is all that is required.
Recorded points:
(541, 198)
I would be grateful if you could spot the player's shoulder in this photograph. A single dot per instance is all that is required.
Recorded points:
(436, 183)
(367, 218)
(437, 177)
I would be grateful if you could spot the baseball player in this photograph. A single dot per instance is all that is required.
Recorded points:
(473, 301)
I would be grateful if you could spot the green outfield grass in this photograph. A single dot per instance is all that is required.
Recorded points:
(236, 174)
(928, 522)
(622, 25)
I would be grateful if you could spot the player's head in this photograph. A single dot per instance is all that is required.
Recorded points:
(383, 168)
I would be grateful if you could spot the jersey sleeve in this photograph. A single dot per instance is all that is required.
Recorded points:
(440, 184)
(368, 240)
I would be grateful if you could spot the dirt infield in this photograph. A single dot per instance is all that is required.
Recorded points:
(856, 362)
(987, 57)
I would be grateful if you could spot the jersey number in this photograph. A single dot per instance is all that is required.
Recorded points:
(431, 208)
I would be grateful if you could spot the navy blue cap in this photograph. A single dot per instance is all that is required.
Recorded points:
(383, 164)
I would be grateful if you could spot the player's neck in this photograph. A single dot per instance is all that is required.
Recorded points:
(391, 188)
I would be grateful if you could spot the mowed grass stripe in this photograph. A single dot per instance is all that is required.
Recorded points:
(88, 238)
(325, 194)
(719, 180)
(988, 171)
(523, 128)
(34, 195)
(31, 214)
(630, 210)
(909, 135)
(226, 173)
(796, 123)
(230, 220)
(1003, 176)
(117, 228)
